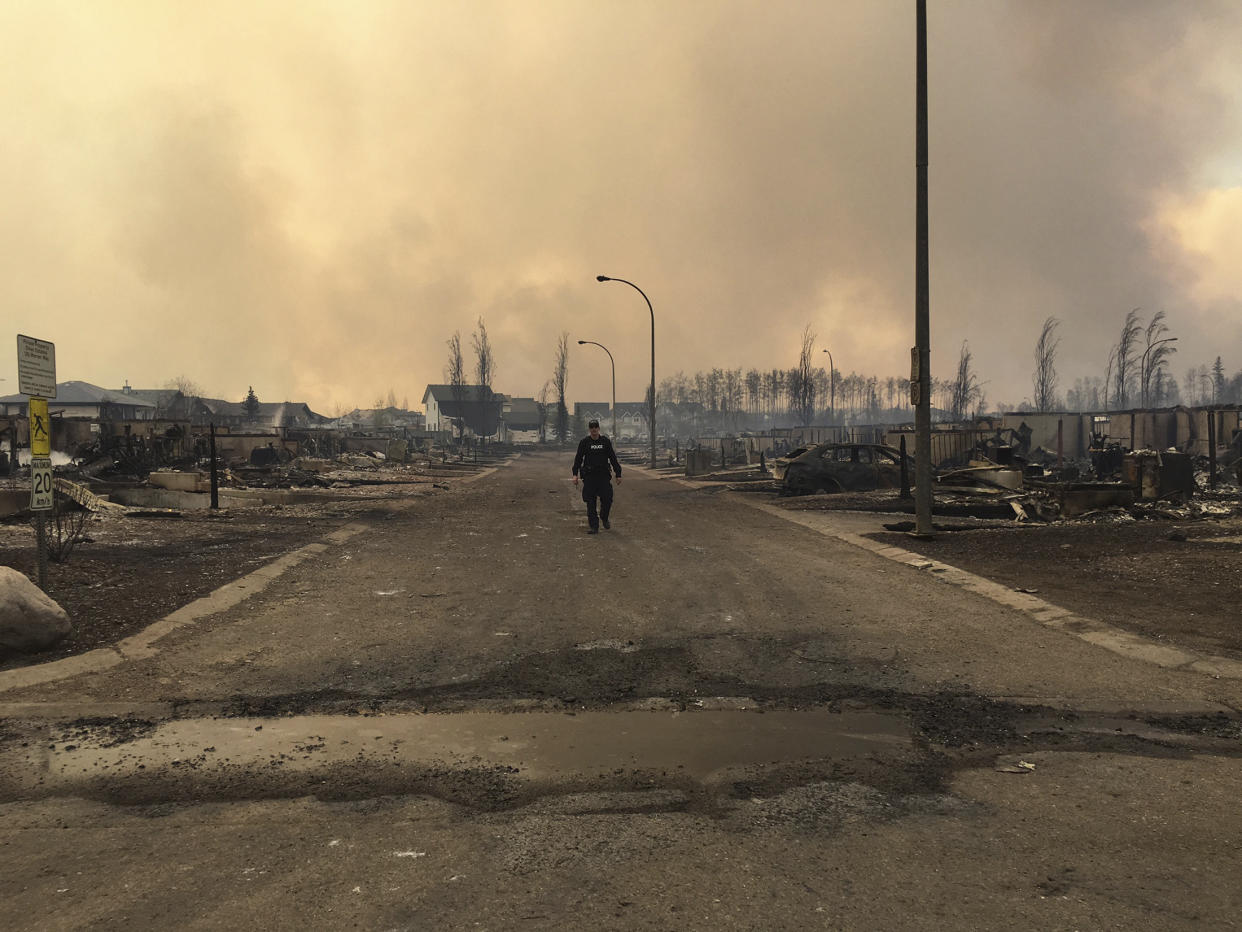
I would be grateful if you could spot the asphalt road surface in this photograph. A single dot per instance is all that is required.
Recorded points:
(466, 713)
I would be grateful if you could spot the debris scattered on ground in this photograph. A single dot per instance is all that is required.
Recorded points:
(1013, 765)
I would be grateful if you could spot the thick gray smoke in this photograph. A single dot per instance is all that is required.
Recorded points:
(312, 201)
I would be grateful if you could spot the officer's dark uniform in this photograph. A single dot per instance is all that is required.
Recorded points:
(592, 462)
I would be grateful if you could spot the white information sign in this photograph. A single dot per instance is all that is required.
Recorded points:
(36, 367)
(41, 489)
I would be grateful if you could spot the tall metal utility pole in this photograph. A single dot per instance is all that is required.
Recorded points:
(921, 357)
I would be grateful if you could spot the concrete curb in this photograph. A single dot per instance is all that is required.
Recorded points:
(1099, 633)
(141, 645)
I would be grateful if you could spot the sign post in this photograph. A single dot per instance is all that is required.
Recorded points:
(41, 495)
(36, 376)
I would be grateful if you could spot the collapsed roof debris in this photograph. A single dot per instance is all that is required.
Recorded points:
(995, 481)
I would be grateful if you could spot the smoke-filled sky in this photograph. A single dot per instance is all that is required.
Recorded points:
(311, 197)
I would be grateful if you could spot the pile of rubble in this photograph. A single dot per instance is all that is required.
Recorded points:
(106, 486)
(1127, 486)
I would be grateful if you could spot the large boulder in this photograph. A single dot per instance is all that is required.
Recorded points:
(30, 620)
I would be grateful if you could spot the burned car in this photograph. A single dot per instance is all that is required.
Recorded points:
(845, 467)
(781, 463)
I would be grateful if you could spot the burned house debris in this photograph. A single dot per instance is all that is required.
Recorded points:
(152, 449)
(1026, 467)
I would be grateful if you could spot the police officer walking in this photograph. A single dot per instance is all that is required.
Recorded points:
(595, 462)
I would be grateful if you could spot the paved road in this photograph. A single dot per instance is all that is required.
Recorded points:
(468, 713)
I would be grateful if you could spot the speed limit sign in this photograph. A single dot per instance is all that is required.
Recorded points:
(40, 484)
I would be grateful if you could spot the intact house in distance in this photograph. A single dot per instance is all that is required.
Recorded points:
(477, 412)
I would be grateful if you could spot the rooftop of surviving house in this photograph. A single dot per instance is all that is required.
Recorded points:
(447, 394)
(278, 412)
(84, 393)
(156, 396)
(522, 414)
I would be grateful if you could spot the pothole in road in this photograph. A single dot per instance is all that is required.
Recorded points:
(497, 755)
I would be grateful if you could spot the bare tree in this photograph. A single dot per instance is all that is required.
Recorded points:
(1123, 359)
(484, 360)
(733, 390)
(903, 391)
(772, 391)
(802, 380)
(1190, 385)
(560, 382)
(1085, 395)
(455, 375)
(1045, 376)
(754, 391)
(1155, 353)
(713, 381)
(380, 416)
(541, 402)
(185, 385)
(678, 388)
(1232, 393)
(67, 529)
(484, 368)
(172, 406)
(964, 390)
(822, 385)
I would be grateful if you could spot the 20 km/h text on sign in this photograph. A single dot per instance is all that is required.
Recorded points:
(41, 488)
(36, 367)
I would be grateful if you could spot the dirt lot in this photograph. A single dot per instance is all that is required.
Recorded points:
(1167, 580)
(129, 571)
(1173, 579)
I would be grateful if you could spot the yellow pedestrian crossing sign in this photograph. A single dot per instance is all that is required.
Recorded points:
(40, 428)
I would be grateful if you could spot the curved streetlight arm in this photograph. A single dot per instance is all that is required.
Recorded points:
(600, 345)
(605, 278)
(651, 403)
(614, 383)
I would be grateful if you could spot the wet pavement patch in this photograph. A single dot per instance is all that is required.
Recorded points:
(475, 757)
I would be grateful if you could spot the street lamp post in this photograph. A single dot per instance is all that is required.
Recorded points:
(832, 388)
(1144, 375)
(651, 400)
(614, 384)
(920, 377)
